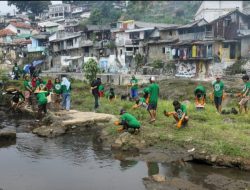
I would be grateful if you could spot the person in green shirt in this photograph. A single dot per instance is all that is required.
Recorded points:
(42, 100)
(134, 87)
(66, 89)
(180, 114)
(153, 98)
(16, 70)
(101, 90)
(28, 90)
(57, 89)
(245, 94)
(110, 94)
(140, 102)
(40, 81)
(128, 121)
(200, 96)
(218, 87)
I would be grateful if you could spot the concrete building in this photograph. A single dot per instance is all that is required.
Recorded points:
(211, 10)
(59, 10)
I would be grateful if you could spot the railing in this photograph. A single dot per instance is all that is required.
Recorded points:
(196, 36)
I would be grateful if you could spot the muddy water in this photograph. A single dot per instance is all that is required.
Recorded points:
(77, 162)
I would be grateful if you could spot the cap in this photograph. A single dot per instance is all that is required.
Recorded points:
(152, 78)
(122, 111)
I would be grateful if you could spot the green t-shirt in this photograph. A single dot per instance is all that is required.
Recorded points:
(200, 88)
(27, 84)
(154, 93)
(246, 86)
(65, 90)
(58, 88)
(182, 110)
(101, 88)
(38, 83)
(16, 69)
(41, 98)
(131, 120)
(146, 90)
(135, 83)
(218, 88)
(142, 100)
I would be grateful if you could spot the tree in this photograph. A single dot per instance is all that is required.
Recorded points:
(139, 59)
(90, 70)
(35, 7)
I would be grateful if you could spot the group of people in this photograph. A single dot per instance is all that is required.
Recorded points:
(43, 92)
(61, 91)
(149, 100)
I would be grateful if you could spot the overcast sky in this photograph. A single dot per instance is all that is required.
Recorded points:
(10, 9)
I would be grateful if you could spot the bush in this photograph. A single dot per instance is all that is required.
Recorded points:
(90, 70)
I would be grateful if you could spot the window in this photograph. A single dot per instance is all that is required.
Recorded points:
(134, 35)
(120, 51)
(60, 14)
(18, 31)
(227, 21)
(163, 50)
(69, 42)
(86, 50)
(226, 45)
(129, 48)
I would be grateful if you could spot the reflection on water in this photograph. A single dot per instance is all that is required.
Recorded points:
(77, 162)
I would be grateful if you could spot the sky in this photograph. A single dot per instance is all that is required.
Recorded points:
(10, 9)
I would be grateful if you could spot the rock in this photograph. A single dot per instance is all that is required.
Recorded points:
(213, 158)
(7, 135)
(48, 131)
(159, 178)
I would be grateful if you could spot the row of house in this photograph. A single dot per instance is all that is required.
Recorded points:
(196, 49)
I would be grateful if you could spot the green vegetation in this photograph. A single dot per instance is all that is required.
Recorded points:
(90, 70)
(207, 130)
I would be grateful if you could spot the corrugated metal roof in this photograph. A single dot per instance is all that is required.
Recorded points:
(157, 25)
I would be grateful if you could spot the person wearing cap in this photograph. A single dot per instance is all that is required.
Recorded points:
(153, 98)
(16, 70)
(128, 121)
(17, 99)
(245, 94)
(95, 91)
(134, 87)
(41, 95)
(218, 87)
(180, 113)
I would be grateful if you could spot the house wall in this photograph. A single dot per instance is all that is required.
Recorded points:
(211, 10)
(245, 47)
(156, 52)
(22, 30)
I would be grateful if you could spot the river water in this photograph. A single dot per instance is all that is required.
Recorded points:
(77, 162)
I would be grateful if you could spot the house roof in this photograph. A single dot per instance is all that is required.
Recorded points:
(6, 32)
(41, 36)
(48, 24)
(195, 23)
(139, 29)
(234, 11)
(157, 25)
(20, 25)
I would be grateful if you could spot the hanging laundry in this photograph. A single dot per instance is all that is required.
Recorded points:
(194, 49)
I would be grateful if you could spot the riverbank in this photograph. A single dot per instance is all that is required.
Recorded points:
(209, 137)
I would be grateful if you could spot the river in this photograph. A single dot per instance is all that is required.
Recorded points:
(77, 162)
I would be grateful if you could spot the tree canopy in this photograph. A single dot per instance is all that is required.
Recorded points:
(35, 7)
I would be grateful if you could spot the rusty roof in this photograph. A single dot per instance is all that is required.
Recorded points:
(21, 25)
(6, 32)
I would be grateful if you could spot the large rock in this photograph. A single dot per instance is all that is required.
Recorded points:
(7, 135)
(60, 122)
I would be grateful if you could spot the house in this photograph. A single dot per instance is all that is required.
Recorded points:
(39, 43)
(226, 31)
(59, 10)
(19, 28)
(6, 36)
(48, 26)
(67, 50)
(211, 10)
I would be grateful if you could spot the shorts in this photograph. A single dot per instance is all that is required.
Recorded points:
(244, 101)
(217, 100)
(152, 106)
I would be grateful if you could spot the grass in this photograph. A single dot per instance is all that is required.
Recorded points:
(207, 130)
